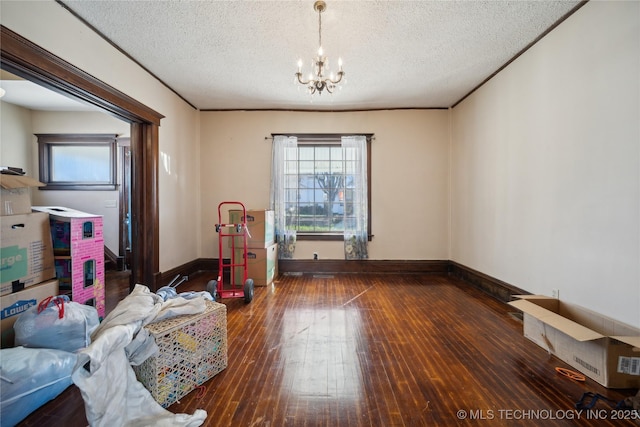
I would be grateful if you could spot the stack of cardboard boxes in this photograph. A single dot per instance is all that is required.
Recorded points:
(27, 273)
(262, 251)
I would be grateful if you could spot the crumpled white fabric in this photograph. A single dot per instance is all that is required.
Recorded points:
(112, 394)
(180, 306)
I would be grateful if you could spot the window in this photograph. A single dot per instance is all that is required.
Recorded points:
(319, 186)
(77, 161)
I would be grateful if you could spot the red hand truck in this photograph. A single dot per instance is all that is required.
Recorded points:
(239, 230)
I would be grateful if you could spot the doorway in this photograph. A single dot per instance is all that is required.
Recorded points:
(28, 60)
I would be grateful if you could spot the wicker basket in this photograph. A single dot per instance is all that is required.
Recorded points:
(193, 349)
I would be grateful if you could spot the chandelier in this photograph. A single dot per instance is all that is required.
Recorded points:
(319, 82)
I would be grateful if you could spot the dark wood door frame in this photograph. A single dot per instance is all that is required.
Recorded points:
(28, 60)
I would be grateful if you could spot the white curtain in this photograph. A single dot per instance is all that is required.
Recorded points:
(284, 166)
(354, 151)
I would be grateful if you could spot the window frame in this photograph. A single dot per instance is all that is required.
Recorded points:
(47, 141)
(323, 139)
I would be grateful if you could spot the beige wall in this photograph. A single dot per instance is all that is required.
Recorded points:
(50, 26)
(546, 163)
(15, 138)
(410, 163)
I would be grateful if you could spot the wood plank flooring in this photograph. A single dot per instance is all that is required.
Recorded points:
(373, 350)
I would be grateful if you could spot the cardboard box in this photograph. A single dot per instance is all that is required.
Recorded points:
(603, 349)
(260, 224)
(262, 265)
(14, 304)
(26, 251)
(15, 194)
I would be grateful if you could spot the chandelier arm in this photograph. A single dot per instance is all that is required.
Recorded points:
(338, 80)
(328, 87)
(299, 75)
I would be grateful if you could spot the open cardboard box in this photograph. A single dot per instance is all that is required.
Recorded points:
(15, 194)
(602, 348)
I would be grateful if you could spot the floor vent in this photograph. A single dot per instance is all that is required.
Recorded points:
(293, 273)
(323, 276)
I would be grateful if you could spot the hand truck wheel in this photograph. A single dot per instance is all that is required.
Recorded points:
(248, 291)
(212, 288)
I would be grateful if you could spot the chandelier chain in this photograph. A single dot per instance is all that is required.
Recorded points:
(319, 27)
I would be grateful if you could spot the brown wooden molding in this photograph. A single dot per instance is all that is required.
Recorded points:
(498, 289)
(361, 266)
(187, 269)
(490, 285)
(323, 266)
(29, 60)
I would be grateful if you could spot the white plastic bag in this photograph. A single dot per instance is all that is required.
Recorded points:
(56, 323)
(29, 378)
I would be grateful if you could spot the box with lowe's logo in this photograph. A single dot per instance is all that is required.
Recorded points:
(14, 304)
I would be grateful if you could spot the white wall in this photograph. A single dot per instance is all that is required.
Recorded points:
(50, 26)
(546, 161)
(410, 167)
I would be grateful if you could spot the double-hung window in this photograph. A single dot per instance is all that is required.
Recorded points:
(319, 187)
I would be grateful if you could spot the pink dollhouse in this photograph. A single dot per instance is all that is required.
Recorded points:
(78, 249)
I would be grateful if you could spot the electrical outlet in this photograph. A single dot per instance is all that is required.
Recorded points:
(555, 293)
(315, 255)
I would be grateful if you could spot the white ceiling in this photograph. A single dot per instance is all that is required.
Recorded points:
(397, 54)
(34, 97)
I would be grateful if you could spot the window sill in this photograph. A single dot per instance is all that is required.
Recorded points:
(323, 237)
(79, 187)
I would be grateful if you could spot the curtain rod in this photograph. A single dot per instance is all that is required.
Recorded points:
(321, 137)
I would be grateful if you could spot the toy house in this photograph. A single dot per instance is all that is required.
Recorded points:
(78, 249)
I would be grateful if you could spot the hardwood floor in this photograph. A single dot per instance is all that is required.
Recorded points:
(373, 350)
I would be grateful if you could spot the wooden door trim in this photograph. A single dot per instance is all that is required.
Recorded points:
(28, 60)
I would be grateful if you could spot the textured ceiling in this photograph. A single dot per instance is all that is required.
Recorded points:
(397, 54)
